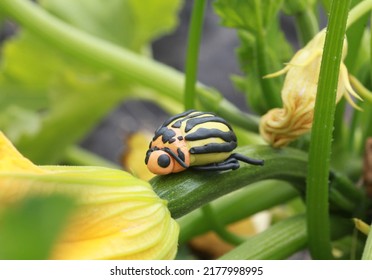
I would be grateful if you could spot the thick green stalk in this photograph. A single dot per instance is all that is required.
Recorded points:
(307, 25)
(236, 206)
(321, 135)
(76, 155)
(122, 62)
(218, 227)
(278, 242)
(271, 96)
(192, 55)
(190, 189)
(282, 240)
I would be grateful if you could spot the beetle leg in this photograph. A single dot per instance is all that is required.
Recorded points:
(230, 163)
(247, 159)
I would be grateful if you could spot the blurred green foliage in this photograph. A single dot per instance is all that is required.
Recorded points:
(30, 228)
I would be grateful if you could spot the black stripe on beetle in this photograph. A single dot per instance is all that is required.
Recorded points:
(167, 135)
(191, 123)
(178, 123)
(214, 148)
(171, 119)
(181, 155)
(204, 133)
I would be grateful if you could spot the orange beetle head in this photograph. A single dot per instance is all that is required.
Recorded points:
(159, 162)
(164, 161)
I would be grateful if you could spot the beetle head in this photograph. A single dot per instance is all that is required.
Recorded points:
(159, 161)
(164, 160)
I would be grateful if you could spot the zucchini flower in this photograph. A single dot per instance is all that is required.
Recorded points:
(117, 217)
(279, 126)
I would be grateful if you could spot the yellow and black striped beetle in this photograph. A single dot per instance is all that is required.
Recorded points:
(197, 140)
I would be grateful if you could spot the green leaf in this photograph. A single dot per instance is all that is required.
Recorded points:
(16, 121)
(21, 96)
(73, 96)
(83, 101)
(29, 229)
(277, 52)
(263, 47)
(128, 23)
(234, 13)
(30, 62)
(153, 19)
(57, 91)
(243, 14)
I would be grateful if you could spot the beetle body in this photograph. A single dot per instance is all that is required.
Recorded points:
(193, 139)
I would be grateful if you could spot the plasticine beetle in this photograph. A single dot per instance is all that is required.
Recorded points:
(197, 140)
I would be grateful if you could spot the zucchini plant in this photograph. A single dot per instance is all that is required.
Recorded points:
(71, 62)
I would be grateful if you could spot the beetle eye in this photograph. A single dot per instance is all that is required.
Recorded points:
(164, 160)
(159, 162)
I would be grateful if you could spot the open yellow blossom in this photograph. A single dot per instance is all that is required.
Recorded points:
(118, 216)
(279, 126)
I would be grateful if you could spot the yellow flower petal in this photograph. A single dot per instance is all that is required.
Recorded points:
(118, 216)
(12, 160)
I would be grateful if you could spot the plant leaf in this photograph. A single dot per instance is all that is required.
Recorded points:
(263, 48)
(29, 229)
(242, 14)
(72, 96)
(128, 23)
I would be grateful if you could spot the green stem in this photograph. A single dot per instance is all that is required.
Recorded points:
(236, 206)
(278, 242)
(358, 11)
(307, 25)
(189, 190)
(321, 135)
(193, 45)
(271, 96)
(218, 227)
(105, 55)
(76, 155)
(340, 134)
(283, 239)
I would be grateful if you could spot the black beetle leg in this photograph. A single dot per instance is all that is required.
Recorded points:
(247, 159)
(230, 163)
